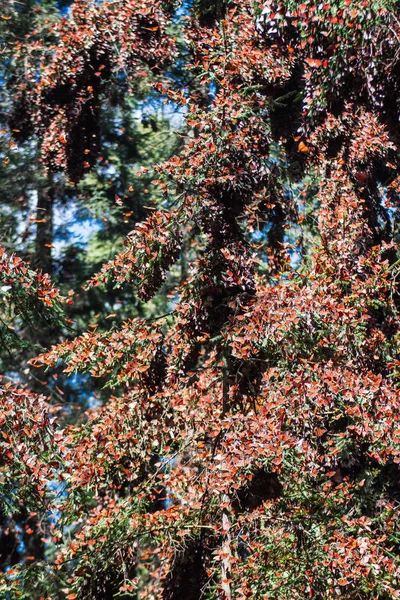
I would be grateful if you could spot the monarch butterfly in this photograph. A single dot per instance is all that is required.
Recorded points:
(303, 147)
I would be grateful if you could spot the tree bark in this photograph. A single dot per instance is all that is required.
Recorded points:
(44, 227)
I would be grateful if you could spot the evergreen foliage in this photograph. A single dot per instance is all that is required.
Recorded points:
(246, 439)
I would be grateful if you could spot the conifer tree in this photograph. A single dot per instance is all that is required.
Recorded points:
(250, 443)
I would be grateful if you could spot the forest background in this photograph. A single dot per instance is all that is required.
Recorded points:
(199, 308)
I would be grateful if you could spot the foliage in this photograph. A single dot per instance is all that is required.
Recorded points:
(27, 299)
(250, 445)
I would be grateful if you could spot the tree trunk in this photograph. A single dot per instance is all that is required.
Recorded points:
(44, 227)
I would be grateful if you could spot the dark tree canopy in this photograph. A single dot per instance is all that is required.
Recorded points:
(246, 443)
